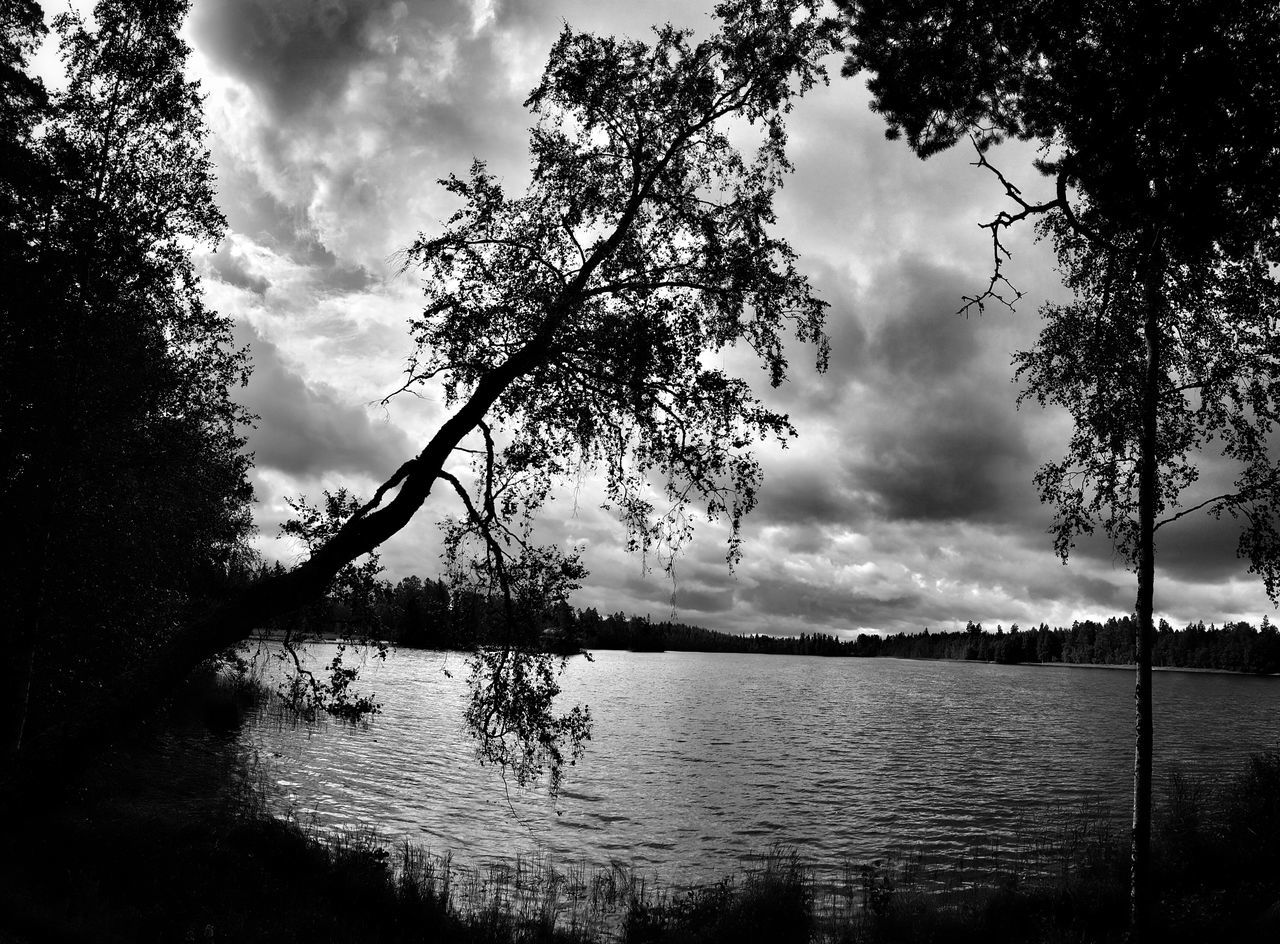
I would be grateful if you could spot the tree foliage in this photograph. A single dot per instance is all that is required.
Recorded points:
(1186, 86)
(1219, 392)
(572, 327)
(354, 592)
(582, 313)
(641, 246)
(124, 484)
(1158, 125)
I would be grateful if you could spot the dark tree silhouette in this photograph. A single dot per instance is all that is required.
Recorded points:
(125, 497)
(1159, 128)
(569, 327)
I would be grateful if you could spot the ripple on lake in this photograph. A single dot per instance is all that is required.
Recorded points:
(700, 762)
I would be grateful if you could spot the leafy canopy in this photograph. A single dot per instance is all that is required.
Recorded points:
(1160, 127)
(1218, 391)
(124, 486)
(641, 246)
(575, 326)
(1166, 110)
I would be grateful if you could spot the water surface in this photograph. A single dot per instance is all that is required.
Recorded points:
(700, 762)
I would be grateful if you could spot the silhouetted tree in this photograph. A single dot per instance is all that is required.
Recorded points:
(1161, 135)
(569, 328)
(125, 497)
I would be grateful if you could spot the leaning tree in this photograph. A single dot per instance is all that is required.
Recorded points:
(569, 328)
(1159, 129)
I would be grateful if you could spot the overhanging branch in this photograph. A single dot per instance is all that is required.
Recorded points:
(999, 285)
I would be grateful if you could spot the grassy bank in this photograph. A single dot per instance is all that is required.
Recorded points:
(166, 839)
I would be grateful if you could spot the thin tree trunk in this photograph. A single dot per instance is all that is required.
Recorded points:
(1148, 483)
(24, 659)
(32, 566)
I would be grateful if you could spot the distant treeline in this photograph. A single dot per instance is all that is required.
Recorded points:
(1238, 647)
(427, 614)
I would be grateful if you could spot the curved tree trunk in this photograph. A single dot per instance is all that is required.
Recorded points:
(137, 692)
(133, 695)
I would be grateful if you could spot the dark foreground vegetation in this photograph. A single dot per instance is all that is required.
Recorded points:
(167, 838)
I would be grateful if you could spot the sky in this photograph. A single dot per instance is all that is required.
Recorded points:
(907, 499)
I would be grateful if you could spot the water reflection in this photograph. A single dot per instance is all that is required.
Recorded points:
(701, 762)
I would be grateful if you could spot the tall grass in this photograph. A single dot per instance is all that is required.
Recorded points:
(531, 900)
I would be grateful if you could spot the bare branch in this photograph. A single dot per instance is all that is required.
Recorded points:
(1195, 508)
(497, 551)
(407, 387)
(999, 285)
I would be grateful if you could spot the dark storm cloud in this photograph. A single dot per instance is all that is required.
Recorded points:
(230, 264)
(800, 492)
(307, 428)
(1200, 548)
(693, 590)
(923, 340)
(825, 604)
(941, 439)
(846, 331)
(702, 600)
(953, 459)
(1197, 548)
(806, 392)
(1073, 586)
(652, 591)
(298, 52)
(918, 419)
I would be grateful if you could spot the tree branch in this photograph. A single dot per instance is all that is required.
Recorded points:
(494, 548)
(1003, 220)
(1074, 221)
(400, 475)
(1194, 508)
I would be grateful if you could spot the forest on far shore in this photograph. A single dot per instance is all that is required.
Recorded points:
(428, 614)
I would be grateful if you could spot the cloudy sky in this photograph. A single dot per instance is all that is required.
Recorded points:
(907, 500)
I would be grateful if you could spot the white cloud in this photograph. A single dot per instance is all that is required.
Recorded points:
(906, 502)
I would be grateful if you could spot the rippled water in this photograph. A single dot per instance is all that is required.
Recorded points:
(700, 762)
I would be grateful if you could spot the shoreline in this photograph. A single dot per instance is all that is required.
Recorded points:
(1130, 666)
(167, 837)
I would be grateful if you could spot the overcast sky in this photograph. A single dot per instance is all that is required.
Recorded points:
(907, 500)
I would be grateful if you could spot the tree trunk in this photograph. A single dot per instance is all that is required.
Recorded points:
(47, 752)
(24, 658)
(135, 693)
(30, 564)
(1148, 486)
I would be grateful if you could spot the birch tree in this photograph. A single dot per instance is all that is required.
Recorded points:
(570, 326)
(1160, 143)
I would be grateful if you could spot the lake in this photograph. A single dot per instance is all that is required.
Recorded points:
(700, 762)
